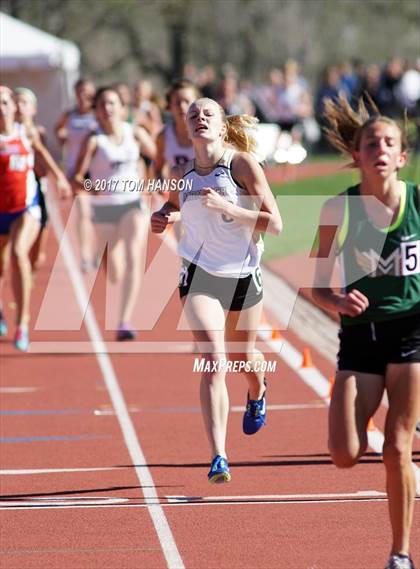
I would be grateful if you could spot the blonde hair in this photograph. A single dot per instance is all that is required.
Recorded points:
(238, 134)
(237, 128)
(346, 125)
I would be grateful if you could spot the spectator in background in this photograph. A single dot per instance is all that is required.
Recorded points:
(370, 86)
(146, 111)
(231, 98)
(190, 72)
(207, 81)
(390, 79)
(293, 101)
(264, 97)
(330, 88)
(408, 89)
(349, 79)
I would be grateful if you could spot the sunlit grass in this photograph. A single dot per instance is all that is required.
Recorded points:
(301, 214)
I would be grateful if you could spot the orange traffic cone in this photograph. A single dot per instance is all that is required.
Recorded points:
(331, 381)
(264, 323)
(371, 425)
(307, 358)
(275, 334)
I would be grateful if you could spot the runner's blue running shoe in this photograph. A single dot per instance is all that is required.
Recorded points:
(3, 325)
(219, 471)
(255, 414)
(22, 339)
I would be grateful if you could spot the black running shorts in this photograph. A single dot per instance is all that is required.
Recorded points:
(371, 347)
(233, 293)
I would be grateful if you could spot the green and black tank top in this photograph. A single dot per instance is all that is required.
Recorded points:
(382, 263)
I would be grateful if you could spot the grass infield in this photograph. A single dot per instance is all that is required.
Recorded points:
(301, 215)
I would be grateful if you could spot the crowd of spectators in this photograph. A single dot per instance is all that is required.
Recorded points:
(288, 99)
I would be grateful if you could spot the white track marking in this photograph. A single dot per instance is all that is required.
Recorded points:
(17, 389)
(66, 347)
(67, 501)
(242, 501)
(279, 497)
(164, 533)
(284, 407)
(23, 471)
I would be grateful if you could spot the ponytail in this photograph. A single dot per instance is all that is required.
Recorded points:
(238, 134)
(346, 125)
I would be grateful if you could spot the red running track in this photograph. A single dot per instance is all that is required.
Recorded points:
(104, 458)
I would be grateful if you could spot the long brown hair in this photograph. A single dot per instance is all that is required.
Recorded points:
(346, 125)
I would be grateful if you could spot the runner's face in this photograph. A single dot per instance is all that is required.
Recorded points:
(7, 105)
(25, 107)
(380, 152)
(84, 96)
(180, 102)
(109, 107)
(204, 121)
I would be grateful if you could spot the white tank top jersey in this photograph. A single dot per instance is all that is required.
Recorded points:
(217, 244)
(114, 169)
(78, 127)
(175, 153)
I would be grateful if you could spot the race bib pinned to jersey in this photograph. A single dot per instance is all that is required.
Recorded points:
(410, 258)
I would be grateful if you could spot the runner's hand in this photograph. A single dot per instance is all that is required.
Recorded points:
(159, 221)
(353, 303)
(63, 187)
(214, 201)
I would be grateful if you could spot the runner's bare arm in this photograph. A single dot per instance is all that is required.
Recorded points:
(352, 303)
(160, 156)
(86, 153)
(169, 213)
(248, 174)
(61, 128)
(63, 186)
(147, 144)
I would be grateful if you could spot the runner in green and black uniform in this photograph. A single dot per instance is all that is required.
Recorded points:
(378, 241)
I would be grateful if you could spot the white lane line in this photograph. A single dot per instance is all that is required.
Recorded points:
(247, 503)
(66, 501)
(17, 389)
(283, 407)
(70, 347)
(280, 497)
(26, 471)
(164, 533)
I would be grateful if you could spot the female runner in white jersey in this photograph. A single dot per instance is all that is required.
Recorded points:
(111, 156)
(174, 146)
(223, 213)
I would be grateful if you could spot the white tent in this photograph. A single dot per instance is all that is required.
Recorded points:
(48, 65)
